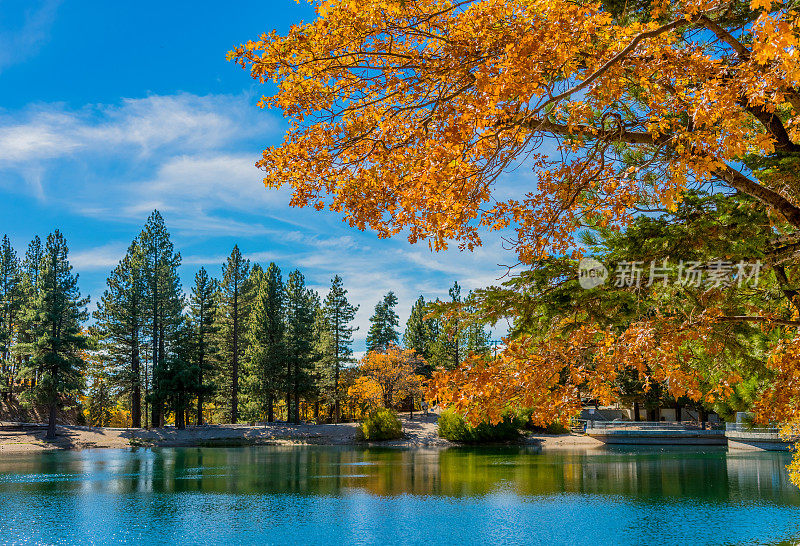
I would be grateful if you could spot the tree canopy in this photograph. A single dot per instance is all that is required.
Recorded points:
(404, 115)
(409, 117)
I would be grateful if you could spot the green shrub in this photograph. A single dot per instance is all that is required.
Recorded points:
(553, 428)
(556, 428)
(455, 428)
(381, 424)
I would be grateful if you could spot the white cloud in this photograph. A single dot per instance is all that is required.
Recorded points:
(229, 180)
(135, 128)
(18, 44)
(179, 153)
(104, 257)
(193, 158)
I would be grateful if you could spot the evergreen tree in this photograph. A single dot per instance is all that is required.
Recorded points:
(202, 316)
(32, 262)
(234, 312)
(301, 303)
(30, 276)
(449, 343)
(421, 334)
(10, 304)
(334, 336)
(99, 397)
(460, 333)
(120, 320)
(474, 336)
(322, 348)
(56, 316)
(164, 301)
(382, 332)
(266, 349)
(177, 379)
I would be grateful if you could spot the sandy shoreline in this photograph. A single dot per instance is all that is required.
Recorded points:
(419, 432)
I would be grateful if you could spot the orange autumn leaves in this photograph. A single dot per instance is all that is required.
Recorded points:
(553, 375)
(387, 378)
(404, 114)
(408, 116)
(780, 402)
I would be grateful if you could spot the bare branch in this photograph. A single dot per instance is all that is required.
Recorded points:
(620, 135)
(769, 197)
(725, 36)
(614, 60)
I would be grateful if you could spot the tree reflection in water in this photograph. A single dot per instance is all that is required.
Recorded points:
(709, 475)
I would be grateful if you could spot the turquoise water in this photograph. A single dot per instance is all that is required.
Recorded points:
(371, 496)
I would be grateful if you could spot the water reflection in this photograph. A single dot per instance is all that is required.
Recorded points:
(350, 495)
(711, 475)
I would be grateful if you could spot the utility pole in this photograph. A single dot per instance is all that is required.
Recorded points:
(494, 343)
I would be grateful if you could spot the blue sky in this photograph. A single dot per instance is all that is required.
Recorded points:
(111, 109)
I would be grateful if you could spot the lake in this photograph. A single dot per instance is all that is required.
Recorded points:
(320, 494)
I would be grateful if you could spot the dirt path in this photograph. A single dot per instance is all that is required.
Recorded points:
(419, 432)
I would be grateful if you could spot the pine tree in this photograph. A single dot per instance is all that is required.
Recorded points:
(420, 335)
(234, 312)
(382, 333)
(30, 276)
(266, 349)
(56, 316)
(322, 348)
(177, 380)
(334, 337)
(301, 303)
(32, 262)
(164, 301)
(449, 343)
(99, 398)
(120, 320)
(202, 316)
(459, 333)
(474, 336)
(10, 304)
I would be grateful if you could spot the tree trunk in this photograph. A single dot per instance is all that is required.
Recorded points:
(316, 411)
(51, 423)
(678, 412)
(200, 382)
(136, 397)
(199, 409)
(155, 415)
(154, 410)
(288, 390)
(235, 379)
(636, 415)
(336, 409)
(270, 409)
(296, 392)
(180, 423)
(136, 407)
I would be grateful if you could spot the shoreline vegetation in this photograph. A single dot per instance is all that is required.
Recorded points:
(419, 432)
(243, 347)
